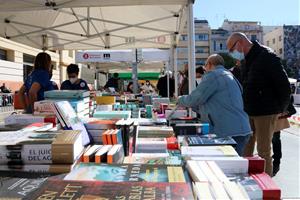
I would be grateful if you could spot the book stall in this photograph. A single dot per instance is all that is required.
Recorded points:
(82, 145)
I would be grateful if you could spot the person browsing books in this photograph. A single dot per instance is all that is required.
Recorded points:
(74, 83)
(218, 100)
(37, 82)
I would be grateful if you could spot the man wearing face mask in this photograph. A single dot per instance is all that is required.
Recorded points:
(74, 83)
(266, 91)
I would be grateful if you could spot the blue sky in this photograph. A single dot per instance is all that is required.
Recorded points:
(268, 12)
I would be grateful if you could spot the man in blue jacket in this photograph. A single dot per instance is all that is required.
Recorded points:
(218, 100)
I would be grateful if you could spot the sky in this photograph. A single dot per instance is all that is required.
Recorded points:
(268, 12)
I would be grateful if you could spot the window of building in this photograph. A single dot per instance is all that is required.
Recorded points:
(71, 53)
(53, 65)
(201, 37)
(28, 62)
(215, 45)
(200, 61)
(274, 40)
(253, 37)
(280, 50)
(182, 50)
(200, 50)
(184, 37)
(221, 46)
(280, 38)
(3, 54)
(247, 27)
(268, 43)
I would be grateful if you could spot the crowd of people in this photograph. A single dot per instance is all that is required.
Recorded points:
(250, 102)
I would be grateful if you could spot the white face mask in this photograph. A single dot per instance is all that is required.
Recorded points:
(237, 55)
(73, 80)
(199, 80)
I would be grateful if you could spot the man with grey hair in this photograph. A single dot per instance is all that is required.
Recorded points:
(266, 91)
(218, 100)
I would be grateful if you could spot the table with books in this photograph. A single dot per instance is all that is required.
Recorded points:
(75, 147)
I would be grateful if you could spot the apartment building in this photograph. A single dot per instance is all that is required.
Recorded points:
(252, 29)
(202, 44)
(16, 62)
(285, 41)
(218, 40)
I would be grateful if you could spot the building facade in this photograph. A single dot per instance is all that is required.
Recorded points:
(218, 40)
(16, 62)
(202, 44)
(285, 41)
(252, 29)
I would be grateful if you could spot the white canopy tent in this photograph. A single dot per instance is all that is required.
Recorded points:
(92, 24)
(95, 24)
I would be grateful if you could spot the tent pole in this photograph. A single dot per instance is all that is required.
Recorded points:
(135, 73)
(191, 48)
(175, 67)
(168, 80)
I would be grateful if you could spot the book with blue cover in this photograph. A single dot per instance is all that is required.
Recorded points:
(207, 140)
(126, 172)
(66, 94)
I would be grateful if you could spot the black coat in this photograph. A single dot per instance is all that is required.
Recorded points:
(162, 86)
(265, 83)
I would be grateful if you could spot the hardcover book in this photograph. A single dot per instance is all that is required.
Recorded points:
(170, 160)
(126, 172)
(96, 190)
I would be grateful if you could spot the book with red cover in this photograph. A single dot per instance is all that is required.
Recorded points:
(256, 165)
(270, 189)
(93, 190)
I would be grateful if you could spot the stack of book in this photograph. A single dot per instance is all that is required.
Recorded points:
(155, 145)
(96, 128)
(65, 115)
(33, 150)
(79, 100)
(211, 183)
(104, 154)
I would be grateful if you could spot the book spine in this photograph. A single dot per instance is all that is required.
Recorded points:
(27, 154)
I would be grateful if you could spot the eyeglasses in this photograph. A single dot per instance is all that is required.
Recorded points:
(231, 49)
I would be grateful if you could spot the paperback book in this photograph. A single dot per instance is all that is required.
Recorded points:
(126, 172)
(96, 190)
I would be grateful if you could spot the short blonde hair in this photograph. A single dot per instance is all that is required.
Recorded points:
(215, 59)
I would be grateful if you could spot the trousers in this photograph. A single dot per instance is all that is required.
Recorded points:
(263, 129)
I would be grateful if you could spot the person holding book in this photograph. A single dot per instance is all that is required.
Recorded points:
(218, 100)
(74, 83)
(37, 82)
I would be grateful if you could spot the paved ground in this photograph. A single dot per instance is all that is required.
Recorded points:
(288, 178)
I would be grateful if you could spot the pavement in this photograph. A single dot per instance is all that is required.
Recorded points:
(288, 178)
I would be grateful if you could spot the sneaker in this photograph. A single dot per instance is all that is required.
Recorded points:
(276, 169)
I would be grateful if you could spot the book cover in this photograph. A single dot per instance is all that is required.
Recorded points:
(70, 118)
(98, 124)
(96, 190)
(66, 94)
(126, 172)
(117, 137)
(170, 160)
(208, 151)
(196, 140)
(19, 188)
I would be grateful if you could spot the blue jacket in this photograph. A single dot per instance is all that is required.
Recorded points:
(218, 100)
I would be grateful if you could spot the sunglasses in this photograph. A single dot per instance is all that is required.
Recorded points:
(231, 49)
